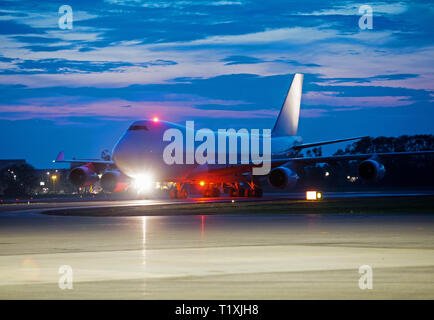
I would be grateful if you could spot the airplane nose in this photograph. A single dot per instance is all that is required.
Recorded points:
(116, 154)
(139, 152)
(126, 157)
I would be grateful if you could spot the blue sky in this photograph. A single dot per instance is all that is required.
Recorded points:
(221, 63)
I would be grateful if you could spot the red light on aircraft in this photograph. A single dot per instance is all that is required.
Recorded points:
(155, 119)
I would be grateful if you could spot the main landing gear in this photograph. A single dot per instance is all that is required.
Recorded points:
(235, 190)
(211, 191)
(251, 191)
(248, 190)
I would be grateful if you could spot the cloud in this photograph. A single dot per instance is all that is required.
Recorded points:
(289, 35)
(12, 28)
(64, 66)
(241, 60)
(319, 98)
(48, 48)
(399, 76)
(232, 60)
(353, 9)
(37, 39)
(229, 96)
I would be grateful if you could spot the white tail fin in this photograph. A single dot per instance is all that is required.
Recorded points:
(287, 121)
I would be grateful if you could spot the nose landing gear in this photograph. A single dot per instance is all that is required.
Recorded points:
(178, 192)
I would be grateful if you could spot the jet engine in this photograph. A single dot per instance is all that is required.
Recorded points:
(83, 176)
(113, 181)
(282, 177)
(371, 170)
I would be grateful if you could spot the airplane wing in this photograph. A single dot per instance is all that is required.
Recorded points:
(84, 161)
(315, 144)
(350, 157)
(61, 159)
(234, 170)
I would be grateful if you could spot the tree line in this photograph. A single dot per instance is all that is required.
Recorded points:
(401, 172)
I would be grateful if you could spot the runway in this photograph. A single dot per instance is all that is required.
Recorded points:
(220, 256)
(38, 205)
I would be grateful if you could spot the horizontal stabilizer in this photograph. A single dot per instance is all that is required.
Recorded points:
(61, 159)
(60, 156)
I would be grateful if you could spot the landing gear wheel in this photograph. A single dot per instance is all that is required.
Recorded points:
(236, 192)
(253, 193)
(178, 194)
(241, 192)
(183, 194)
(173, 193)
(231, 192)
(206, 193)
(248, 193)
(215, 192)
(211, 192)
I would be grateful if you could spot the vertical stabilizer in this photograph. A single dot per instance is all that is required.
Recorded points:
(287, 121)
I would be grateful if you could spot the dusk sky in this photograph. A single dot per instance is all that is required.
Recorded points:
(223, 64)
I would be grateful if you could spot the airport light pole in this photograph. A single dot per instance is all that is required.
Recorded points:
(54, 178)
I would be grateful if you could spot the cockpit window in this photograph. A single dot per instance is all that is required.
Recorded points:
(137, 127)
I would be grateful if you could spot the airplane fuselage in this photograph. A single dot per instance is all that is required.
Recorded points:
(142, 149)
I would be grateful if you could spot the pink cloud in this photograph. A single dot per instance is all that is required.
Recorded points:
(330, 99)
(115, 110)
(312, 113)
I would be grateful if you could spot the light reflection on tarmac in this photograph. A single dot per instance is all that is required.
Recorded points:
(217, 256)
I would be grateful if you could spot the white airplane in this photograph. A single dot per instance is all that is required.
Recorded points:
(138, 159)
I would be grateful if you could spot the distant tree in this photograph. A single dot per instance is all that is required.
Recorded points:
(408, 171)
(400, 171)
(18, 180)
(317, 152)
(314, 152)
(390, 144)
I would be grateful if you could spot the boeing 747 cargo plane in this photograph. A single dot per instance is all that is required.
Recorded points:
(140, 157)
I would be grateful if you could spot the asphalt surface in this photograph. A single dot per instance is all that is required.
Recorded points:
(231, 256)
(37, 205)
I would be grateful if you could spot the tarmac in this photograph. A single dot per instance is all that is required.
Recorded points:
(219, 256)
